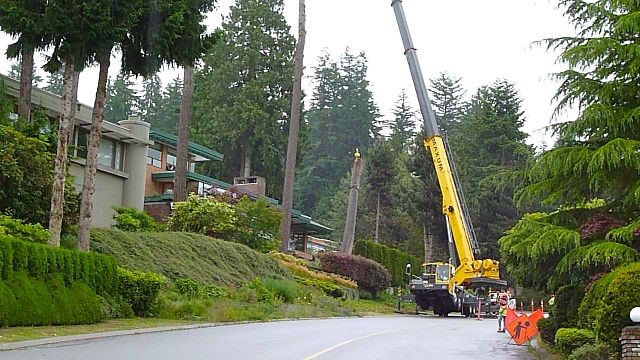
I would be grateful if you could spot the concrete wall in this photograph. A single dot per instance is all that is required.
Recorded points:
(109, 189)
(135, 164)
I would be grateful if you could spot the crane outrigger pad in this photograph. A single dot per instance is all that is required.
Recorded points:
(488, 282)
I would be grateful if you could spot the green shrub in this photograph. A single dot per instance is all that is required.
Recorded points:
(26, 178)
(590, 305)
(569, 339)
(203, 215)
(547, 328)
(19, 230)
(252, 223)
(369, 275)
(39, 261)
(286, 290)
(173, 305)
(212, 291)
(139, 289)
(186, 255)
(392, 259)
(263, 294)
(620, 297)
(130, 219)
(258, 225)
(565, 309)
(327, 287)
(25, 301)
(591, 352)
(187, 287)
(115, 307)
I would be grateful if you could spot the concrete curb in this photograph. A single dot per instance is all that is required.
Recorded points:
(109, 334)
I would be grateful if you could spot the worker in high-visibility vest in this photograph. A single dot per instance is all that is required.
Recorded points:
(552, 300)
(502, 311)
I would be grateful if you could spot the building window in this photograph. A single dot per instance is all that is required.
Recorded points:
(171, 160)
(154, 156)
(110, 152)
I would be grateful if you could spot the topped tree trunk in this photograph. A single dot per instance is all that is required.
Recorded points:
(294, 132)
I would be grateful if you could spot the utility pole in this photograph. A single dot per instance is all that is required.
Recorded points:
(352, 208)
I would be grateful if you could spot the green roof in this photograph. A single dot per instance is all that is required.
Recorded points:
(197, 149)
(192, 176)
(297, 218)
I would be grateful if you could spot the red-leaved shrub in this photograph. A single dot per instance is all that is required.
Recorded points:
(370, 275)
(597, 226)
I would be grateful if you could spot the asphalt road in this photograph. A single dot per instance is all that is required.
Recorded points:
(399, 338)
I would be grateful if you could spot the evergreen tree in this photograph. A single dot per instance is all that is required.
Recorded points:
(122, 98)
(596, 155)
(151, 99)
(403, 126)
(427, 194)
(380, 171)
(55, 81)
(591, 174)
(447, 99)
(243, 92)
(169, 109)
(342, 117)
(14, 73)
(489, 144)
(25, 22)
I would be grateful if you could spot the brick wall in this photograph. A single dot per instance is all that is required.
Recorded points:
(159, 211)
(630, 341)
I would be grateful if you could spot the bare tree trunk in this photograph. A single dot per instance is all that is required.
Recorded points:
(246, 162)
(89, 184)
(377, 235)
(294, 131)
(66, 117)
(26, 83)
(74, 103)
(180, 179)
(352, 209)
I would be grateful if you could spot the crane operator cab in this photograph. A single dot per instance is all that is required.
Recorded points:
(435, 289)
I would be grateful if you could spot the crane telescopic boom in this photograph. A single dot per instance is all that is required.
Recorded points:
(452, 207)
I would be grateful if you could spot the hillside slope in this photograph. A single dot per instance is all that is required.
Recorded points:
(186, 255)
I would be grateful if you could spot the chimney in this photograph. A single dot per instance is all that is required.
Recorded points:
(254, 184)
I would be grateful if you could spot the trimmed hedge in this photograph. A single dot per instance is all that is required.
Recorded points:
(139, 289)
(392, 259)
(611, 298)
(186, 255)
(25, 301)
(369, 275)
(39, 261)
(569, 339)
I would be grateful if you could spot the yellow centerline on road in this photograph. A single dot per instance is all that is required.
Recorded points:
(316, 355)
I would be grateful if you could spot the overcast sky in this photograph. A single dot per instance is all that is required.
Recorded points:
(477, 40)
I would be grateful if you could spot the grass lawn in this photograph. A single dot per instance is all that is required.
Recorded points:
(14, 334)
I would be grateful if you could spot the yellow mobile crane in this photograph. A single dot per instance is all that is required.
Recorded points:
(446, 287)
